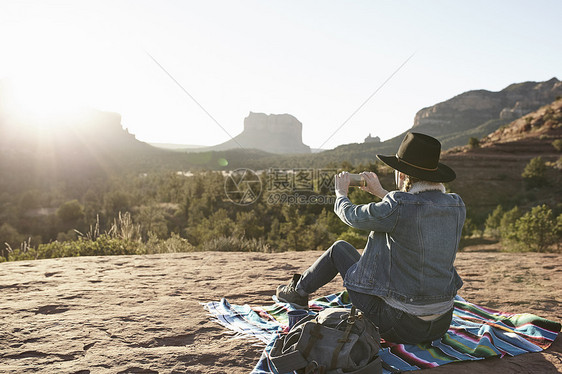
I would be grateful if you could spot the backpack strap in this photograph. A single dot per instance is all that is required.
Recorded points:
(374, 367)
(345, 338)
(314, 368)
(315, 335)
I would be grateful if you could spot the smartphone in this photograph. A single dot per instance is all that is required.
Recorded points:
(356, 180)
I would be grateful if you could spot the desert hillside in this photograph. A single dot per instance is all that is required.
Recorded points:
(142, 314)
(490, 174)
(479, 112)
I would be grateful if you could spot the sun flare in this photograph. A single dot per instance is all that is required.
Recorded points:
(44, 102)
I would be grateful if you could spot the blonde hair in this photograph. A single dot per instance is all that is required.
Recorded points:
(409, 182)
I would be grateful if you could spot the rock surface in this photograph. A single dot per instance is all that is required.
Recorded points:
(142, 314)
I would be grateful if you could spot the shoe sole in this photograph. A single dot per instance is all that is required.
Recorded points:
(293, 304)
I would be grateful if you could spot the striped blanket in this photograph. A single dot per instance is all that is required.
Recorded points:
(475, 333)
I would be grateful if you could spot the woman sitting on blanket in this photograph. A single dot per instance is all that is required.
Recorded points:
(405, 280)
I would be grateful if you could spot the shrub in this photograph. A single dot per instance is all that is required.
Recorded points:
(535, 173)
(353, 237)
(493, 221)
(236, 244)
(173, 244)
(123, 228)
(538, 229)
(469, 229)
(507, 222)
(558, 163)
(557, 144)
(104, 245)
(473, 142)
(68, 236)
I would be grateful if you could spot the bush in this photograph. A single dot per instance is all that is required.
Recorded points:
(68, 236)
(473, 143)
(535, 173)
(507, 222)
(469, 229)
(353, 237)
(493, 221)
(173, 244)
(103, 246)
(537, 230)
(557, 144)
(236, 244)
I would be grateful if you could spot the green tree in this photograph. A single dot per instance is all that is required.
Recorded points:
(249, 224)
(537, 229)
(292, 229)
(116, 201)
(535, 173)
(93, 205)
(217, 225)
(347, 166)
(300, 230)
(70, 212)
(29, 200)
(10, 236)
(317, 236)
(151, 219)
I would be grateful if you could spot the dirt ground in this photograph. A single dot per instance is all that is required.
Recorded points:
(142, 314)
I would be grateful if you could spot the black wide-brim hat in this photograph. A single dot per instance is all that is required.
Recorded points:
(418, 156)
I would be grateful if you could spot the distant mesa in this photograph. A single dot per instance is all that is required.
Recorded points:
(370, 139)
(275, 133)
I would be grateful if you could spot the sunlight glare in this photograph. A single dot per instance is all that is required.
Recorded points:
(45, 102)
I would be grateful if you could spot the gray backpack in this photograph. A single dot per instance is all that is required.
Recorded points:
(336, 341)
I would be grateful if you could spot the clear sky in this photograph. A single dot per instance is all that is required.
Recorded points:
(317, 60)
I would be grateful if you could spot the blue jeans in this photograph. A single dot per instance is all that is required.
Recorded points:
(394, 324)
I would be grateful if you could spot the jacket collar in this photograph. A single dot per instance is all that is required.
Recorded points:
(426, 186)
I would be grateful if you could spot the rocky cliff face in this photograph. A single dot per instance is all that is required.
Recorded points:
(477, 113)
(275, 133)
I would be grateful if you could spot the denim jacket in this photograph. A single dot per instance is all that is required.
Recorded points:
(411, 247)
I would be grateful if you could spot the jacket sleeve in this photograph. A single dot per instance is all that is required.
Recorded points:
(380, 216)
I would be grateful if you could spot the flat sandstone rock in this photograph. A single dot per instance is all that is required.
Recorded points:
(142, 314)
